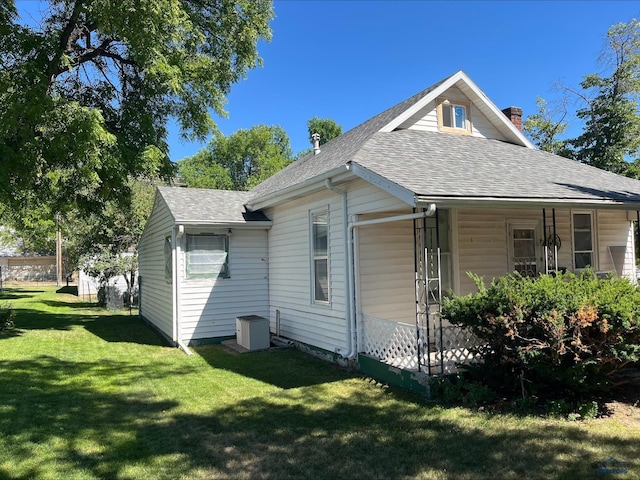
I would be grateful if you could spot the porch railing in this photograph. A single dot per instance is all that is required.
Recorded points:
(396, 344)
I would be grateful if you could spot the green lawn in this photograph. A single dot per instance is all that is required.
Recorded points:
(86, 394)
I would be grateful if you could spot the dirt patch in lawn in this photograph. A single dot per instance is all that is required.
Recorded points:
(623, 405)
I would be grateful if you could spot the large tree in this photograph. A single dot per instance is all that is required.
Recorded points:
(611, 136)
(240, 161)
(609, 112)
(85, 95)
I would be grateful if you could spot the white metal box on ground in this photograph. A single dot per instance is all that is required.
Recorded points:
(252, 332)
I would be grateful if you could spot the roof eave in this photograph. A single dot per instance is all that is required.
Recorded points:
(295, 191)
(262, 225)
(521, 202)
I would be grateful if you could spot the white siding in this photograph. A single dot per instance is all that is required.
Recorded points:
(483, 241)
(613, 229)
(482, 246)
(156, 294)
(386, 268)
(323, 326)
(209, 307)
(366, 198)
(427, 118)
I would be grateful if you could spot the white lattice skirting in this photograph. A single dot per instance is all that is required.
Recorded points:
(396, 344)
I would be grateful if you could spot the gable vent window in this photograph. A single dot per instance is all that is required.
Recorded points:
(453, 116)
(207, 256)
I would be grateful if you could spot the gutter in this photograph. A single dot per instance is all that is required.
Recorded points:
(526, 202)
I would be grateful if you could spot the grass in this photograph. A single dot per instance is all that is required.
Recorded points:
(86, 394)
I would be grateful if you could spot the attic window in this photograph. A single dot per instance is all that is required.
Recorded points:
(453, 116)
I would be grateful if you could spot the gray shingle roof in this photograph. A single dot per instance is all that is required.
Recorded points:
(336, 152)
(200, 205)
(440, 164)
(448, 165)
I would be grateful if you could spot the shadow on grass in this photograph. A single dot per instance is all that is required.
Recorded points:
(70, 289)
(18, 293)
(305, 433)
(73, 305)
(110, 328)
(282, 368)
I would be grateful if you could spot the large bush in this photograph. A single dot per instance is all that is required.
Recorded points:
(553, 334)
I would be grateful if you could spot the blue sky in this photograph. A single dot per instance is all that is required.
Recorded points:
(349, 60)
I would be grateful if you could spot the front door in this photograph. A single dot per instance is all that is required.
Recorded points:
(523, 249)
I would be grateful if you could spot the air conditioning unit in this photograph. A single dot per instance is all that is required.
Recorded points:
(252, 332)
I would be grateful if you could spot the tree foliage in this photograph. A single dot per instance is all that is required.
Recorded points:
(610, 137)
(240, 161)
(85, 96)
(544, 130)
(327, 128)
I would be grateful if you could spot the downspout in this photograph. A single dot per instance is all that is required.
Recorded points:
(178, 233)
(351, 338)
(351, 246)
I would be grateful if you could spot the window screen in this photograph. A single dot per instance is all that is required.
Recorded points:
(207, 256)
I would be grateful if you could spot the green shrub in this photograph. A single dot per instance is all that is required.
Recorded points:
(7, 316)
(550, 335)
(459, 390)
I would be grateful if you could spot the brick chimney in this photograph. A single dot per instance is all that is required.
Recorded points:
(515, 115)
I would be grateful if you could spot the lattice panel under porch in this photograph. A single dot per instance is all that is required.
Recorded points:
(393, 343)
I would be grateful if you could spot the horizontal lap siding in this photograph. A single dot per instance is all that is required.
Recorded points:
(386, 267)
(614, 229)
(365, 198)
(482, 246)
(323, 326)
(208, 308)
(156, 294)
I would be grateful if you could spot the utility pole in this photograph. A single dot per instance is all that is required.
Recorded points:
(58, 252)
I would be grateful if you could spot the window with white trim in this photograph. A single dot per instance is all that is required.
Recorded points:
(320, 257)
(453, 116)
(583, 244)
(168, 260)
(207, 256)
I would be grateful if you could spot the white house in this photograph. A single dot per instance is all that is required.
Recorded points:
(348, 251)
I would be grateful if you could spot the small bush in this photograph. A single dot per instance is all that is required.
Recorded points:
(459, 390)
(7, 316)
(550, 335)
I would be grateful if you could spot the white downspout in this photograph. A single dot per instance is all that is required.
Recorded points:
(347, 297)
(352, 353)
(178, 233)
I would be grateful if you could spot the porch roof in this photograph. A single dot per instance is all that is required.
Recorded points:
(440, 165)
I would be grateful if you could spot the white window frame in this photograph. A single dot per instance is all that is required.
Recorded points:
(594, 247)
(168, 259)
(516, 224)
(315, 256)
(218, 270)
(449, 103)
